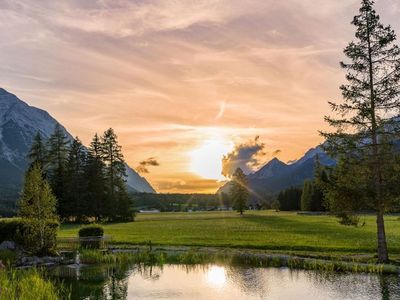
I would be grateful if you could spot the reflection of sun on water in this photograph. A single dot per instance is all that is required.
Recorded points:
(216, 276)
(206, 161)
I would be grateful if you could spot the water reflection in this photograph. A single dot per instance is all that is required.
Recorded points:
(216, 276)
(223, 282)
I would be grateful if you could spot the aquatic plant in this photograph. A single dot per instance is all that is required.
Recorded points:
(27, 285)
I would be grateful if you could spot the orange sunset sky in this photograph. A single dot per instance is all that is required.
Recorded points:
(183, 81)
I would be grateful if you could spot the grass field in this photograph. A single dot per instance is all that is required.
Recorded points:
(257, 230)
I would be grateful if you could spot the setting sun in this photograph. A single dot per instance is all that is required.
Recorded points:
(206, 161)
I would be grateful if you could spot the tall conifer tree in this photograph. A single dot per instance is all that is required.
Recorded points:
(37, 154)
(57, 157)
(307, 196)
(118, 204)
(365, 127)
(75, 205)
(95, 181)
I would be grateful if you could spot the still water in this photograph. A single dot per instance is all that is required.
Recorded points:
(223, 282)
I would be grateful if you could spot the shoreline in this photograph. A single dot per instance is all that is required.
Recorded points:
(256, 258)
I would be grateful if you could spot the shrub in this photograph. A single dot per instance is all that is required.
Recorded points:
(91, 231)
(25, 233)
(9, 228)
(7, 257)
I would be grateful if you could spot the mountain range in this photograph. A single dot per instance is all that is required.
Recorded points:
(276, 175)
(19, 122)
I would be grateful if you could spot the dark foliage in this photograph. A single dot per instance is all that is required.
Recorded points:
(290, 199)
(91, 230)
(23, 232)
(181, 202)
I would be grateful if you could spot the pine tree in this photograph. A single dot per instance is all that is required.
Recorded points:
(290, 199)
(58, 145)
(38, 204)
(75, 205)
(365, 127)
(37, 153)
(320, 180)
(239, 190)
(307, 196)
(118, 207)
(346, 194)
(95, 184)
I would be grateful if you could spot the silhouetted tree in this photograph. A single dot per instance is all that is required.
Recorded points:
(239, 190)
(37, 154)
(58, 145)
(75, 181)
(307, 195)
(118, 204)
(290, 199)
(319, 182)
(95, 184)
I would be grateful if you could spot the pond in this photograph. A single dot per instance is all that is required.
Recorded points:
(205, 282)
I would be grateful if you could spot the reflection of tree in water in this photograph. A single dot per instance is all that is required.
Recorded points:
(97, 283)
(149, 272)
(111, 282)
(385, 287)
(116, 286)
(250, 280)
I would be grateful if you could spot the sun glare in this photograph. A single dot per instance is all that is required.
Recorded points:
(206, 161)
(216, 276)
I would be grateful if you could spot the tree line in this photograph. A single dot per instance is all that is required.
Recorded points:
(180, 202)
(310, 197)
(88, 183)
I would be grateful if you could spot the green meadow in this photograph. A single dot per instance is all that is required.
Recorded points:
(266, 230)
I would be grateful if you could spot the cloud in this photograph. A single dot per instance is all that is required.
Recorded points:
(143, 165)
(246, 156)
(222, 107)
(166, 74)
(276, 152)
(189, 185)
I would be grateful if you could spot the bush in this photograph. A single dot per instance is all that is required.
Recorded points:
(91, 231)
(7, 257)
(25, 233)
(9, 228)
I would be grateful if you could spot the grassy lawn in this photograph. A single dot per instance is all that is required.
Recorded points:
(259, 230)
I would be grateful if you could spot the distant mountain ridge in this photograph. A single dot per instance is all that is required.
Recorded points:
(19, 122)
(276, 175)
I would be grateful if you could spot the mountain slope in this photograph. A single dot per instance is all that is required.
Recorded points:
(19, 122)
(276, 175)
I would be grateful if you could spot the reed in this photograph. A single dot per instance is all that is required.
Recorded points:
(28, 285)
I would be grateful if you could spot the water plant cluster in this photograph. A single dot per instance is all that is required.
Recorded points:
(29, 284)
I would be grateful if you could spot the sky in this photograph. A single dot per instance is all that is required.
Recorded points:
(183, 82)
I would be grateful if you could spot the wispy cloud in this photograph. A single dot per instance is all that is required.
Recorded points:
(143, 165)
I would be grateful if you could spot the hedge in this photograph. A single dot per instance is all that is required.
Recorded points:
(91, 230)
